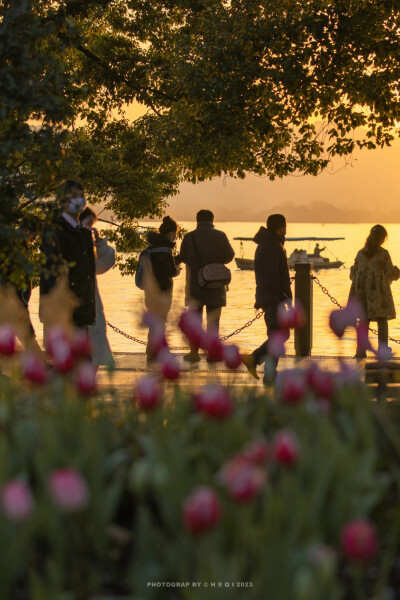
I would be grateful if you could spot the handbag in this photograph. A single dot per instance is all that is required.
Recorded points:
(213, 275)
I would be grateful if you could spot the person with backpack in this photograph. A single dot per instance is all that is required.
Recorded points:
(155, 272)
(206, 251)
(371, 276)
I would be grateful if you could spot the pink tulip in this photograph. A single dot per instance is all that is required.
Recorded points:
(321, 382)
(190, 323)
(53, 338)
(291, 387)
(60, 350)
(86, 379)
(33, 368)
(359, 541)
(148, 393)
(68, 490)
(214, 402)
(286, 447)
(17, 502)
(151, 320)
(157, 341)
(242, 478)
(363, 343)
(169, 365)
(201, 511)
(232, 356)
(276, 343)
(214, 346)
(293, 317)
(7, 340)
(258, 451)
(81, 347)
(339, 320)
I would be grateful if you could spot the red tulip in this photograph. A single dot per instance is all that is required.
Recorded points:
(214, 346)
(62, 356)
(169, 365)
(33, 368)
(276, 343)
(86, 379)
(232, 356)
(214, 401)
(363, 343)
(359, 541)
(190, 323)
(258, 451)
(291, 387)
(16, 499)
(242, 478)
(81, 347)
(157, 341)
(286, 447)
(68, 490)
(321, 382)
(293, 317)
(53, 337)
(201, 511)
(7, 340)
(148, 393)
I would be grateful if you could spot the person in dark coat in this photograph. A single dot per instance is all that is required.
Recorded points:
(68, 248)
(212, 247)
(272, 285)
(159, 282)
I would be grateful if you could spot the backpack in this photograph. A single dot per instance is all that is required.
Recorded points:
(213, 275)
(144, 262)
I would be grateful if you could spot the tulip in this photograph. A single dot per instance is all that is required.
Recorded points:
(53, 338)
(242, 479)
(81, 347)
(151, 320)
(62, 356)
(157, 340)
(201, 511)
(291, 386)
(213, 401)
(258, 451)
(7, 340)
(16, 499)
(348, 375)
(359, 541)
(86, 379)
(293, 317)
(169, 365)
(339, 320)
(214, 346)
(276, 343)
(190, 323)
(231, 356)
(148, 393)
(286, 447)
(68, 489)
(363, 343)
(384, 353)
(33, 368)
(321, 382)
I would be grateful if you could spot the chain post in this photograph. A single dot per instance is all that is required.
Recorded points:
(304, 294)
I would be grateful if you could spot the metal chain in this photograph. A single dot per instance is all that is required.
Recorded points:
(334, 301)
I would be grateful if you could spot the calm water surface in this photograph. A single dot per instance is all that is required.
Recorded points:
(123, 301)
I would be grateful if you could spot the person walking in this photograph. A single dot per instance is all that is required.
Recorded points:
(371, 276)
(158, 284)
(104, 260)
(272, 287)
(205, 246)
(68, 249)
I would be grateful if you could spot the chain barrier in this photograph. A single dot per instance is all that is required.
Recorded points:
(334, 301)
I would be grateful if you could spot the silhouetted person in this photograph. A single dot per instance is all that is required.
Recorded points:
(272, 285)
(372, 275)
(318, 250)
(68, 248)
(203, 246)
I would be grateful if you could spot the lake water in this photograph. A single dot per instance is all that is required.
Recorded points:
(123, 301)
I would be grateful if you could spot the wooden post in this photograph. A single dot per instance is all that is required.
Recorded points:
(303, 292)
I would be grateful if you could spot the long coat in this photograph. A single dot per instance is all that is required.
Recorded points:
(214, 247)
(271, 270)
(66, 247)
(101, 351)
(371, 278)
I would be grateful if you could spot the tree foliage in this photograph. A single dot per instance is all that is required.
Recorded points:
(230, 86)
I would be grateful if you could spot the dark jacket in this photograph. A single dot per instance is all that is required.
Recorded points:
(163, 263)
(213, 247)
(271, 269)
(66, 246)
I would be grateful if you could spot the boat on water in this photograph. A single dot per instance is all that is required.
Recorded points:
(315, 259)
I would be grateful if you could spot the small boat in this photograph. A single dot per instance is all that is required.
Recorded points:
(297, 256)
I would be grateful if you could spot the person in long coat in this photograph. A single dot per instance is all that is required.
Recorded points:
(68, 249)
(105, 260)
(371, 276)
(205, 245)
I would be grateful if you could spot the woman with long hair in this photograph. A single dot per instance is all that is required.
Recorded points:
(371, 276)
